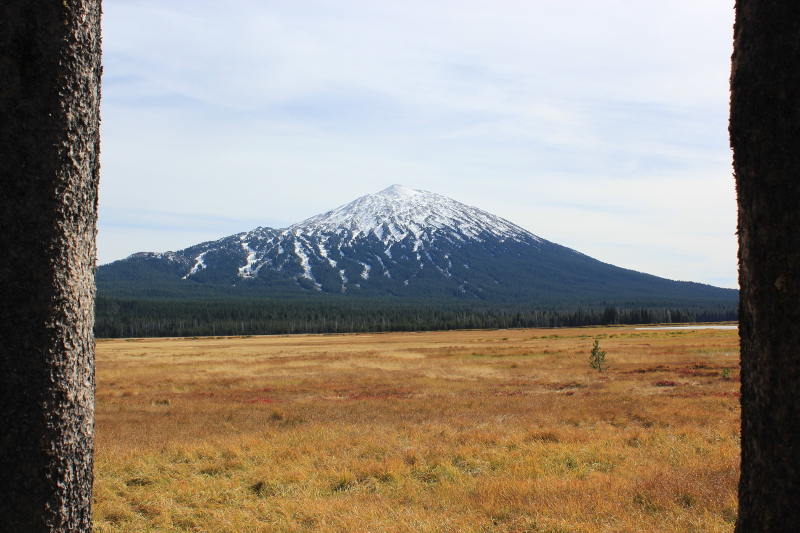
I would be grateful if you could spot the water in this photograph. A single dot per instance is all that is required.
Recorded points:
(717, 326)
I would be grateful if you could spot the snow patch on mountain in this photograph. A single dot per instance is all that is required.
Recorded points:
(247, 270)
(199, 264)
(300, 251)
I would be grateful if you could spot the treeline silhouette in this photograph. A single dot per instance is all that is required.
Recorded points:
(117, 318)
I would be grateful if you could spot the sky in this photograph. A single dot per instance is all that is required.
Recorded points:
(597, 124)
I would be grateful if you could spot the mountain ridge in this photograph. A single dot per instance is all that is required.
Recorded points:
(398, 242)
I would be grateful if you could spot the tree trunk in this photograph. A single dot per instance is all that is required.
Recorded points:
(49, 147)
(765, 137)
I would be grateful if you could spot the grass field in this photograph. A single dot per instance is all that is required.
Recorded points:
(467, 431)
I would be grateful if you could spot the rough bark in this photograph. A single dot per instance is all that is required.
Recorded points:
(765, 137)
(49, 146)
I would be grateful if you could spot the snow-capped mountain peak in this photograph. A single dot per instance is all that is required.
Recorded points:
(397, 212)
(398, 190)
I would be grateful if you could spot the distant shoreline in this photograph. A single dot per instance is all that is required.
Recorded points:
(713, 326)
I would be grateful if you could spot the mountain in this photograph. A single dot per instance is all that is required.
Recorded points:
(399, 242)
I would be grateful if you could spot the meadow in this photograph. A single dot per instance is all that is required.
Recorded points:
(459, 431)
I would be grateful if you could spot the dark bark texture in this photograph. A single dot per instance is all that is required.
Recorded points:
(49, 146)
(765, 137)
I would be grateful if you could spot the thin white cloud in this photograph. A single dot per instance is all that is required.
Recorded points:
(275, 111)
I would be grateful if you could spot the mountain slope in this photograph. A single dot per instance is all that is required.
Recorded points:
(397, 242)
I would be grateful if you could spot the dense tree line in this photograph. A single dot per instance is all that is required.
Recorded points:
(117, 318)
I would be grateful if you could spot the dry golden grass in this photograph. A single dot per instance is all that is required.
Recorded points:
(469, 431)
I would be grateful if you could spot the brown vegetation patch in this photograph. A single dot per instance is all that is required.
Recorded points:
(473, 431)
(666, 383)
(659, 368)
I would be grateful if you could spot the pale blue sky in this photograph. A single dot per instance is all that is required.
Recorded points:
(597, 124)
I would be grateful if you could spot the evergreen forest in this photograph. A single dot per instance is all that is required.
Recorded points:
(120, 318)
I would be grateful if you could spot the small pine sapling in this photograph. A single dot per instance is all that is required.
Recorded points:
(597, 359)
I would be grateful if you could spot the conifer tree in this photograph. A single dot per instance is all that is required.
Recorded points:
(49, 147)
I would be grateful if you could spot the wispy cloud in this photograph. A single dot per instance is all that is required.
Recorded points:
(275, 111)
